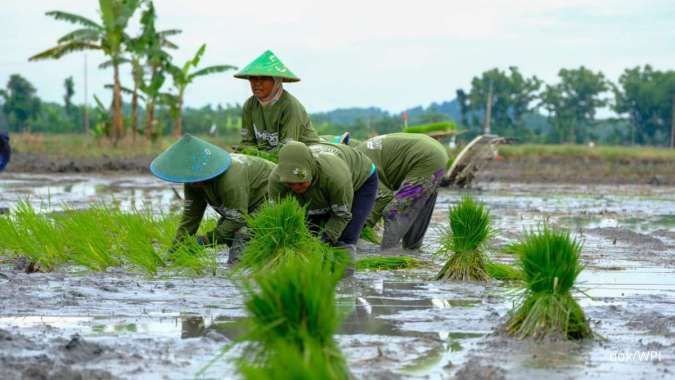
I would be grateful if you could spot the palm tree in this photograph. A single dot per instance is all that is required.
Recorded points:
(108, 36)
(182, 78)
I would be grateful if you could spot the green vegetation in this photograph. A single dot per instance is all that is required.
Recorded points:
(101, 237)
(250, 151)
(293, 306)
(464, 241)
(278, 233)
(503, 272)
(441, 126)
(369, 234)
(615, 154)
(549, 260)
(387, 263)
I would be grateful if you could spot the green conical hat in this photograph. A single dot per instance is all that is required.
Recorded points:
(267, 65)
(190, 159)
(295, 163)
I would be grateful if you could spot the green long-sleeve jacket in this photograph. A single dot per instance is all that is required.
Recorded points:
(403, 157)
(336, 172)
(267, 128)
(234, 194)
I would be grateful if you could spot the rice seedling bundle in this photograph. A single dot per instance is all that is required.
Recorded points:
(279, 232)
(387, 263)
(441, 126)
(369, 234)
(291, 311)
(89, 236)
(503, 272)
(464, 241)
(549, 260)
(249, 151)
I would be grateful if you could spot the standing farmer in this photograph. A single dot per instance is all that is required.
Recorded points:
(336, 183)
(412, 166)
(272, 116)
(5, 151)
(233, 185)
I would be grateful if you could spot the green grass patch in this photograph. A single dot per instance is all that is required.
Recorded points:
(464, 242)
(441, 126)
(387, 263)
(100, 237)
(549, 260)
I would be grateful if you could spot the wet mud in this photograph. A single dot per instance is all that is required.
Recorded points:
(397, 324)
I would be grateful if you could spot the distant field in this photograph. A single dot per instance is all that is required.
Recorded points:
(602, 153)
(80, 145)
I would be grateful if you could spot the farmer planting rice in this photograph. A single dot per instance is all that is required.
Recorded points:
(412, 166)
(233, 185)
(272, 116)
(336, 183)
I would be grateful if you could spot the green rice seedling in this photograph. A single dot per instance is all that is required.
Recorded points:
(550, 263)
(278, 232)
(33, 235)
(387, 263)
(465, 240)
(294, 304)
(369, 234)
(441, 126)
(137, 233)
(260, 153)
(290, 363)
(89, 237)
(190, 258)
(503, 272)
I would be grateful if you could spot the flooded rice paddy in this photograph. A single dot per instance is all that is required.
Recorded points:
(397, 324)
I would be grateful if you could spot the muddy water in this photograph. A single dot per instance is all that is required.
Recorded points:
(396, 325)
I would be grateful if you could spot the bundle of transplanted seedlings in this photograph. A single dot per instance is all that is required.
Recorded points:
(387, 263)
(98, 238)
(292, 317)
(250, 151)
(464, 242)
(550, 262)
(278, 232)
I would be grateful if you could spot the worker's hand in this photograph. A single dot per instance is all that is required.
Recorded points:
(203, 240)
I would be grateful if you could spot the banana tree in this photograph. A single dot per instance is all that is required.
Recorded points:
(183, 77)
(136, 49)
(106, 36)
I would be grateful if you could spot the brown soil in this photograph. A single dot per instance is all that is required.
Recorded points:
(37, 163)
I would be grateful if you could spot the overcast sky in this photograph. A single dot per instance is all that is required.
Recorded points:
(391, 54)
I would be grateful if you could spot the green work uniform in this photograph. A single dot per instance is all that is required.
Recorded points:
(411, 166)
(335, 173)
(267, 128)
(234, 194)
(404, 157)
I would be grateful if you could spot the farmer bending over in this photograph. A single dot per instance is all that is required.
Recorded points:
(272, 116)
(337, 183)
(412, 166)
(233, 185)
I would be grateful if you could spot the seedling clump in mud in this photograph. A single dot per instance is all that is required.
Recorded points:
(550, 263)
(465, 240)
